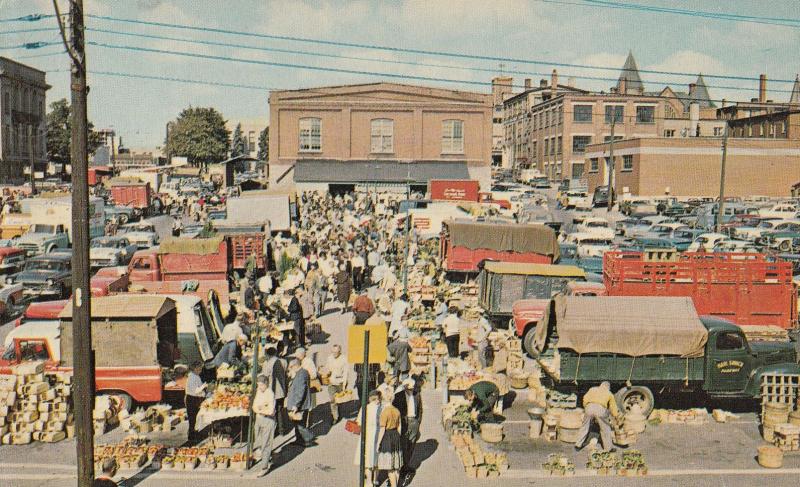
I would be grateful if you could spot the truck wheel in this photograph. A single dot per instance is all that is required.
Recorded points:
(785, 246)
(527, 341)
(126, 399)
(123, 219)
(640, 395)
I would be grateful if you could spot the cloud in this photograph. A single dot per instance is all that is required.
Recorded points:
(690, 62)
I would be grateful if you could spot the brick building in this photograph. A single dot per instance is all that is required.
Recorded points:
(23, 126)
(691, 166)
(380, 133)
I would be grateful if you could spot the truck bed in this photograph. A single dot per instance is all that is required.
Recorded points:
(619, 368)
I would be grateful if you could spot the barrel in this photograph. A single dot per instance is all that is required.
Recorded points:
(571, 419)
(775, 413)
(536, 428)
(519, 380)
(492, 433)
(770, 456)
(794, 417)
(568, 435)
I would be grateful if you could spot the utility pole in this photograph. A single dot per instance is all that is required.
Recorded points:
(721, 205)
(612, 183)
(83, 367)
(408, 231)
(30, 156)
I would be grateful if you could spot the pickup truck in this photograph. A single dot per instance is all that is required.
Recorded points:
(163, 331)
(45, 277)
(41, 239)
(643, 344)
(11, 260)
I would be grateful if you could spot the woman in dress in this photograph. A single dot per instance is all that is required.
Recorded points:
(344, 286)
(390, 451)
(374, 407)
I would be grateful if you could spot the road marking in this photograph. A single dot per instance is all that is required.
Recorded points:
(541, 474)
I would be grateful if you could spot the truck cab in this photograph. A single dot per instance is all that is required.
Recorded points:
(42, 238)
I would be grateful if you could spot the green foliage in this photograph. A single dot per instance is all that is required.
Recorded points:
(208, 231)
(237, 144)
(263, 145)
(199, 134)
(59, 133)
(285, 263)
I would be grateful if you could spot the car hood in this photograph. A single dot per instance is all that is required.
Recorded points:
(31, 237)
(103, 252)
(35, 276)
(778, 349)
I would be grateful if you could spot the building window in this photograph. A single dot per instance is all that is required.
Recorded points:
(310, 135)
(784, 127)
(382, 136)
(453, 137)
(717, 131)
(627, 163)
(7, 103)
(607, 138)
(546, 147)
(762, 129)
(582, 113)
(771, 128)
(560, 114)
(615, 112)
(594, 165)
(669, 112)
(645, 114)
(579, 143)
(669, 133)
(552, 146)
(558, 147)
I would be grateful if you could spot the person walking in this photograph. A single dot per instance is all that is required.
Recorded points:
(390, 449)
(195, 395)
(409, 403)
(599, 406)
(363, 308)
(452, 332)
(371, 432)
(344, 287)
(399, 310)
(336, 365)
(295, 312)
(264, 409)
(275, 367)
(298, 403)
(398, 354)
(357, 264)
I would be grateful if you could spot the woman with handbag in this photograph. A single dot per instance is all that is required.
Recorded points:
(390, 449)
(374, 408)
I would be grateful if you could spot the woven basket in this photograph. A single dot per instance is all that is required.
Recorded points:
(519, 381)
(492, 433)
(775, 413)
(770, 456)
(568, 435)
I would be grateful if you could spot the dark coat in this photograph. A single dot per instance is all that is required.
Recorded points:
(399, 351)
(299, 396)
(400, 404)
(344, 286)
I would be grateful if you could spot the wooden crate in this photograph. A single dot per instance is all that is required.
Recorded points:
(779, 388)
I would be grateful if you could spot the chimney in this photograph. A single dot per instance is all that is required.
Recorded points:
(527, 83)
(542, 83)
(692, 89)
(694, 117)
(554, 82)
(623, 86)
(762, 88)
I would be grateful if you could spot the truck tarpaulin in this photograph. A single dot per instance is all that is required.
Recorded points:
(538, 239)
(632, 326)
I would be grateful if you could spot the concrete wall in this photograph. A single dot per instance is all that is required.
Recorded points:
(691, 167)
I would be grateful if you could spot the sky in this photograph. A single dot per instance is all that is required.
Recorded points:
(549, 31)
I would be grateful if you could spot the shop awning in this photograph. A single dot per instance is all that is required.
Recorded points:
(390, 171)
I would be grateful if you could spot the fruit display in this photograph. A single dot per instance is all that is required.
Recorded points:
(228, 397)
(344, 396)
(632, 463)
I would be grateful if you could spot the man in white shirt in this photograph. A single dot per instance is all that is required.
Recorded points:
(231, 331)
(338, 368)
(452, 331)
(264, 409)
(399, 309)
(195, 394)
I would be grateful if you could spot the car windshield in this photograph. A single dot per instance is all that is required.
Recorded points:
(682, 234)
(99, 243)
(40, 228)
(766, 224)
(597, 224)
(44, 265)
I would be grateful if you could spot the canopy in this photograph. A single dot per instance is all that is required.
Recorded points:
(126, 306)
(539, 239)
(627, 325)
(525, 269)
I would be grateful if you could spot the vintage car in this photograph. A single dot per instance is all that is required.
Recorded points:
(46, 276)
(111, 251)
(11, 260)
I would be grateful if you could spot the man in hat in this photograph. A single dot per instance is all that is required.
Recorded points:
(264, 409)
(407, 400)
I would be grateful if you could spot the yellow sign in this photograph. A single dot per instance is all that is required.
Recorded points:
(730, 366)
(377, 343)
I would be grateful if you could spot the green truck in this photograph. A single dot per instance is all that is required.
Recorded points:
(646, 344)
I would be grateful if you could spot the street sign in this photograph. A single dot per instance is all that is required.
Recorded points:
(377, 343)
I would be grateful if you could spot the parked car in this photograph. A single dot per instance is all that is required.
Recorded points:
(141, 234)
(46, 276)
(706, 241)
(683, 237)
(754, 231)
(10, 296)
(123, 214)
(780, 237)
(110, 251)
(11, 260)
(781, 210)
(596, 226)
(739, 246)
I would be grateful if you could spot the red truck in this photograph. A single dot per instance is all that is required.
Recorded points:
(745, 288)
(465, 244)
(136, 195)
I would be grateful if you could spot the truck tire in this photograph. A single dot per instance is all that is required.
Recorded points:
(125, 398)
(527, 341)
(641, 395)
(785, 246)
(123, 219)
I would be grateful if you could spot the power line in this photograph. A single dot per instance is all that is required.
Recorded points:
(411, 50)
(335, 70)
(386, 61)
(781, 21)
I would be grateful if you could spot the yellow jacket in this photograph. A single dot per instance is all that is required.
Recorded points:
(602, 396)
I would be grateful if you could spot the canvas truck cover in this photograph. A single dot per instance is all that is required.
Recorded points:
(632, 326)
(193, 246)
(260, 208)
(538, 239)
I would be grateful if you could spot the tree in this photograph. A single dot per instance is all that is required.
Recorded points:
(199, 134)
(263, 144)
(59, 133)
(237, 145)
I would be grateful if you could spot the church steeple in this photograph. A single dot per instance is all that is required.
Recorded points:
(700, 93)
(795, 97)
(630, 73)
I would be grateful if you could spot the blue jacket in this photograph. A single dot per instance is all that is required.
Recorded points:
(299, 396)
